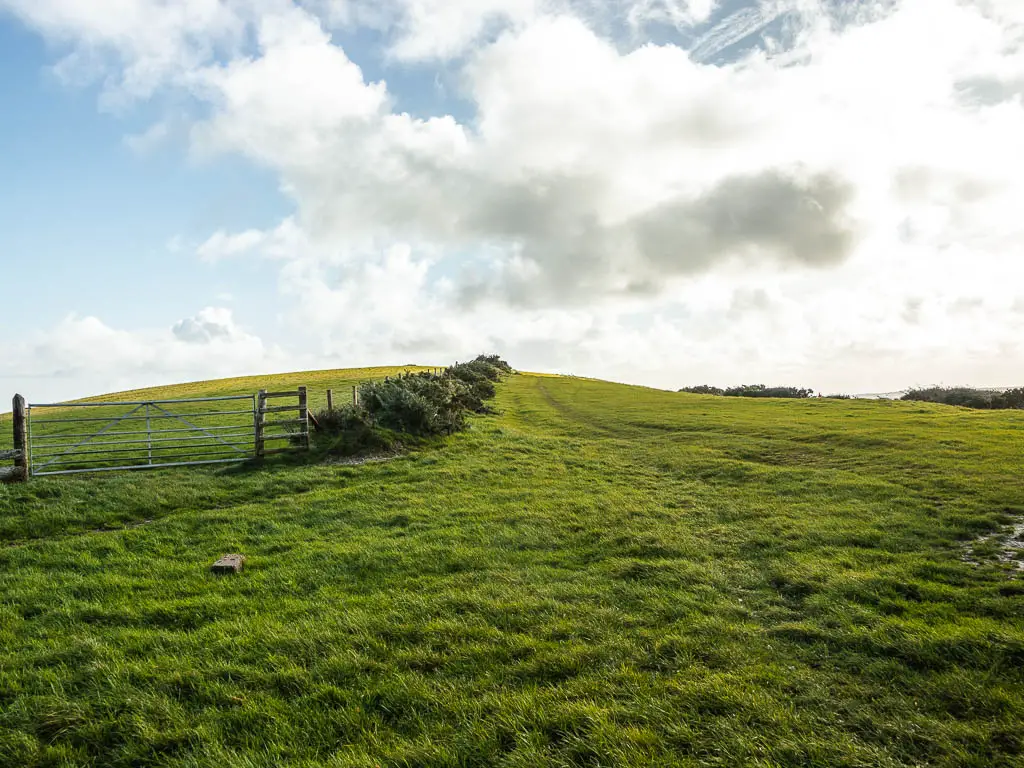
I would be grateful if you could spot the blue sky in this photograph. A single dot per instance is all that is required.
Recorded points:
(668, 192)
(87, 222)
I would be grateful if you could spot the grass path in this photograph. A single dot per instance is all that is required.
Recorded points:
(599, 575)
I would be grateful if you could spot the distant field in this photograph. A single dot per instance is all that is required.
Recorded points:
(600, 575)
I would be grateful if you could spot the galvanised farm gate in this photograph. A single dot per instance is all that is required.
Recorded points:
(73, 438)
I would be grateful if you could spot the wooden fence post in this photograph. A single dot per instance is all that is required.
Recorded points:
(330, 401)
(304, 417)
(20, 440)
(355, 398)
(261, 408)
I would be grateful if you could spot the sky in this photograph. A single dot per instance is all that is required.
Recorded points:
(815, 193)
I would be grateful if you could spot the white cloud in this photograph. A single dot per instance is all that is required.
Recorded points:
(680, 13)
(209, 325)
(149, 139)
(222, 245)
(625, 208)
(83, 355)
(441, 29)
(285, 240)
(138, 44)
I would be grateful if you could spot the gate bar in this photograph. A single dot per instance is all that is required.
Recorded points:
(137, 418)
(143, 439)
(72, 435)
(111, 423)
(71, 461)
(234, 446)
(187, 422)
(140, 402)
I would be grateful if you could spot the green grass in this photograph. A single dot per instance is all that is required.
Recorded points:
(599, 575)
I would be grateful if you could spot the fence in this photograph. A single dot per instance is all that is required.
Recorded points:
(74, 438)
(19, 454)
(295, 431)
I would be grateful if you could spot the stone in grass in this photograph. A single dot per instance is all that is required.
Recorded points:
(228, 564)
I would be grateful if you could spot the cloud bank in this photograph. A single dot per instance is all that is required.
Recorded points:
(836, 204)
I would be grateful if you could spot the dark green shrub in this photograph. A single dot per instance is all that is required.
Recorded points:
(760, 390)
(393, 405)
(1012, 398)
(420, 404)
(967, 397)
(703, 389)
(347, 431)
(475, 371)
(445, 396)
(479, 379)
(494, 361)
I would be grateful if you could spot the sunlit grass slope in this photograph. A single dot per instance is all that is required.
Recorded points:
(598, 575)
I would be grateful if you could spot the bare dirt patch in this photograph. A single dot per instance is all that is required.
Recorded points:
(356, 461)
(1008, 543)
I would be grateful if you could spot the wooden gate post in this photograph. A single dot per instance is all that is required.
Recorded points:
(261, 415)
(330, 401)
(304, 417)
(20, 441)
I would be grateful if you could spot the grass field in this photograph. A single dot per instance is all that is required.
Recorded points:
(599, 575)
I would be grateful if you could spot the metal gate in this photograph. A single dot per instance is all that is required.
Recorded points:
(70, 438)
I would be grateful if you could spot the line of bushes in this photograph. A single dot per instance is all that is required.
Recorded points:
(966, 397)
(750, 390)
(417, 405)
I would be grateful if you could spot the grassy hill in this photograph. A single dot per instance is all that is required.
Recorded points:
(599, 575)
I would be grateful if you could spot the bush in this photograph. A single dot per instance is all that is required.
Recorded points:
(703, 389)
(760, 390)
(396, 405)
(474, 371)
(966, 397)
(350, 432)
(1012, 398)
(419, 404)
(495, 362)
(479, 378)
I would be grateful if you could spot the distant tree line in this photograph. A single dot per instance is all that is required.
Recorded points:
(750, 390)
(966, 397)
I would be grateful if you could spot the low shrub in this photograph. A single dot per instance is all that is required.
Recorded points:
(703, 389)
(495, 362)
(420, 404)
(348, 432)
(749, 390)
(417, 404)
(966, 397)
(760, 390)
(479, 379)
